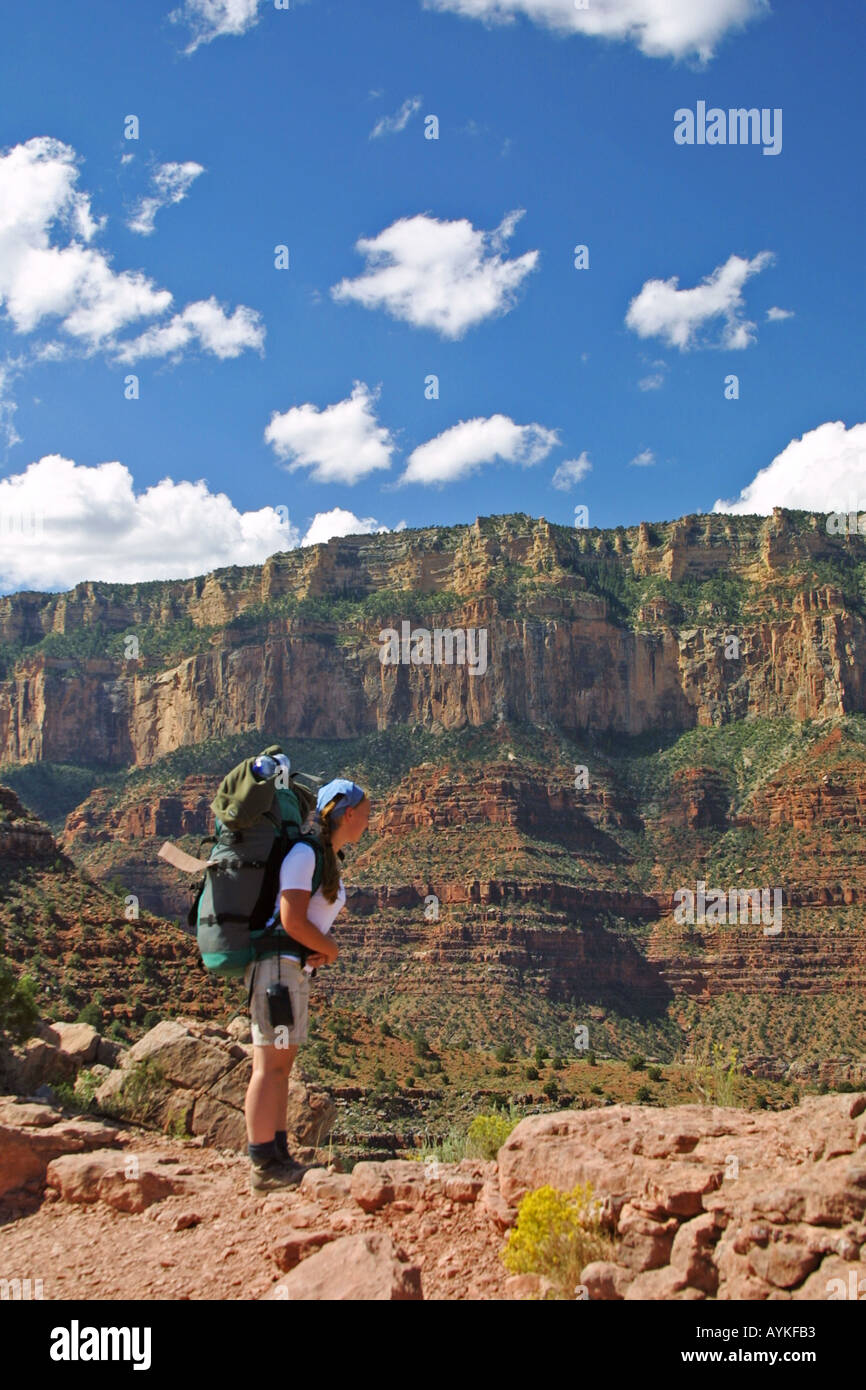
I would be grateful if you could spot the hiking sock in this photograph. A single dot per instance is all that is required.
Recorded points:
(281, 1143)
(262, 1154)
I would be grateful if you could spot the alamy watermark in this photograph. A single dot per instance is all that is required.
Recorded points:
(736, 126)
(419, 646)
(739, 906)
(850, 523)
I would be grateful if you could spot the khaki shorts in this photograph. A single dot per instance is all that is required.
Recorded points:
(270, 971)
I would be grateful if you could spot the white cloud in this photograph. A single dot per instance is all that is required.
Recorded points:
(62, 522)
(645, 459)
(74, 282)
(339, 522)
(447, 276)
(571, 471)
(465, 447)
(825, 471)
(211, 19)
(392, 125)
(340, 444)
(655, 378)
(172, 183)
(205, 324)
(8, 433)
(776, 315)
(659, 28)
(662, 310)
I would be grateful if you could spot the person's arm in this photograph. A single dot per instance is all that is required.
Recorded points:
(293, 915)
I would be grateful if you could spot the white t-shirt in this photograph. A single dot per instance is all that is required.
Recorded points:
(296, 871)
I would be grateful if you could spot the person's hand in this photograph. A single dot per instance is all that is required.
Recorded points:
(326, 956)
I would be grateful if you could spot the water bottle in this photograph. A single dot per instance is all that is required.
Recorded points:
(264, 768)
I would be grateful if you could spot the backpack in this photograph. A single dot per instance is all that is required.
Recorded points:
(257, 823)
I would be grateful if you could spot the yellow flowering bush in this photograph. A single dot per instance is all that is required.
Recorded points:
(556, 1235)
(487, 1134)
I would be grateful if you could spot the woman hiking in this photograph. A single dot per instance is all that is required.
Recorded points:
(341, 817)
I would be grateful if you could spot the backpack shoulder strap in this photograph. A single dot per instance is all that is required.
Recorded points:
(319, 867)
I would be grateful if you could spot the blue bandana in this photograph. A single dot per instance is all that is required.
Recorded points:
(335, 796)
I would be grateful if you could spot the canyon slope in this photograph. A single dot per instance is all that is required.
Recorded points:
(662, 706)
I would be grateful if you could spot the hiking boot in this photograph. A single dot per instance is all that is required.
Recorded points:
(292, 1165)
(273, 1176)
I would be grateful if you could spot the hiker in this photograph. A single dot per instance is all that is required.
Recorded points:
(341, 817)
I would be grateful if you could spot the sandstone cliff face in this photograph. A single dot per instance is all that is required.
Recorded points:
(562, 652)
(22, 837)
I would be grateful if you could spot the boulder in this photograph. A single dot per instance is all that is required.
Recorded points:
(357, 1268)
(130, 1182)
(645, 1243)
(40, 1061)
(184, 1059)
(292, 1247)
(26, 1149)
(231, 1089)
(79, 1040)
(376, 1185)
(223, 1126)
(606, 1281)
(320, 1185)
(310, 1115)
(239, 1029)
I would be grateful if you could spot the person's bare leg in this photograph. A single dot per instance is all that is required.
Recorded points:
(268, 1092)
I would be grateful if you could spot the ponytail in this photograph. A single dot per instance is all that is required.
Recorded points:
(331, 870)
(320, 827)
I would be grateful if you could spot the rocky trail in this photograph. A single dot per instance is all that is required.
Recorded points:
(185, 1225)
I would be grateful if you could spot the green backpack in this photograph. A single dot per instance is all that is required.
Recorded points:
(257, 823)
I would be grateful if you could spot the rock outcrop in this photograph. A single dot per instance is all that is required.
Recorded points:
(706, 1202)
(191, 1077)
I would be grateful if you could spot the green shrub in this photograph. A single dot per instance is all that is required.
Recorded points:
(531, 1073)
(177, 1129)
(504, 1053)
(19, 1013)
(151, 1019)
(142, 1094)
(654, 1073)
(596, 1089)
(644, 1094)
(92, 1014)
(556, 1235)
(716, 1077)
(421, 1045)
(540, 1054)
(551, 1089)
(636, 1062)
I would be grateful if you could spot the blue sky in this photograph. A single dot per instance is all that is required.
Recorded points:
(574, 131)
